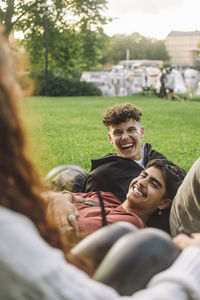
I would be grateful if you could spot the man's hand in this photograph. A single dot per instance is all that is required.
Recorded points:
(182, 240)
(61, 211)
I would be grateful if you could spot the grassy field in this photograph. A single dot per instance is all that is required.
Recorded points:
(69, 130)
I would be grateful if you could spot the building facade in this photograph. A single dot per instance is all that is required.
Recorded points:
(182, 47)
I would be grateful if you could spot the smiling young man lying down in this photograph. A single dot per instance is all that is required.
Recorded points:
(152, 192)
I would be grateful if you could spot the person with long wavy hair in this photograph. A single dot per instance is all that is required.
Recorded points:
(20, 187)
(29, 267)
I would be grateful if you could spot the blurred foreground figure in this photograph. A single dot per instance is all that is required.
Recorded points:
(185, 211)
(29, 267)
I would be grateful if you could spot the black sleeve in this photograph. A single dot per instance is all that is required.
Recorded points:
(92, 184)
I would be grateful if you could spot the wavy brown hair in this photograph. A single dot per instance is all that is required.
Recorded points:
(20, 187)
(121, 113)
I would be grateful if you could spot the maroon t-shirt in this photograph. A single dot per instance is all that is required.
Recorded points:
(90, 217)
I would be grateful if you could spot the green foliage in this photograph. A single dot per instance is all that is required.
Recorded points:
(63, 57)
(140, 48)
(70, 130)
(73, 30)
(29, 15)
(92, 45)
(61, 86)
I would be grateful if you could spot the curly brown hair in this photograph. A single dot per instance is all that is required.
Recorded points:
(120, 113)
(20, 187)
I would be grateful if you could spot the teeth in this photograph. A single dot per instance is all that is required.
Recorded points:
(141, 193)
(126, 146)
(137, 191)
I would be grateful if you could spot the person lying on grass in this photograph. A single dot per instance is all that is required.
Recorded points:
(151, 192)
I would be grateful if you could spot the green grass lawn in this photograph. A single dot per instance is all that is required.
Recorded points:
(69, 130)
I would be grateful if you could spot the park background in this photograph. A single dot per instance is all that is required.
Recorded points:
(63, 39)
(69, 130)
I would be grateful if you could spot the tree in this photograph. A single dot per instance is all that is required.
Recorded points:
(74, 30)
(140, 48)
(20, 14)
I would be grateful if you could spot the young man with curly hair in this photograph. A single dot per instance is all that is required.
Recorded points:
(114, 172)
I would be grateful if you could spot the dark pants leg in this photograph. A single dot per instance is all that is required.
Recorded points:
(89, 253)
(135, 258)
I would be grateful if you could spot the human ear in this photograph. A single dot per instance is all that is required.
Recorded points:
(165, 203)
(142, 131)
(110, 138)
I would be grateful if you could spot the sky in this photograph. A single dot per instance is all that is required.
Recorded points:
(153, 18)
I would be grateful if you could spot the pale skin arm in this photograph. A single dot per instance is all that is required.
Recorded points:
(182, 240)
(60, 206)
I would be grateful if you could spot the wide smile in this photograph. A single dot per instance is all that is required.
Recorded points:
(127, 147)
(139, 191)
